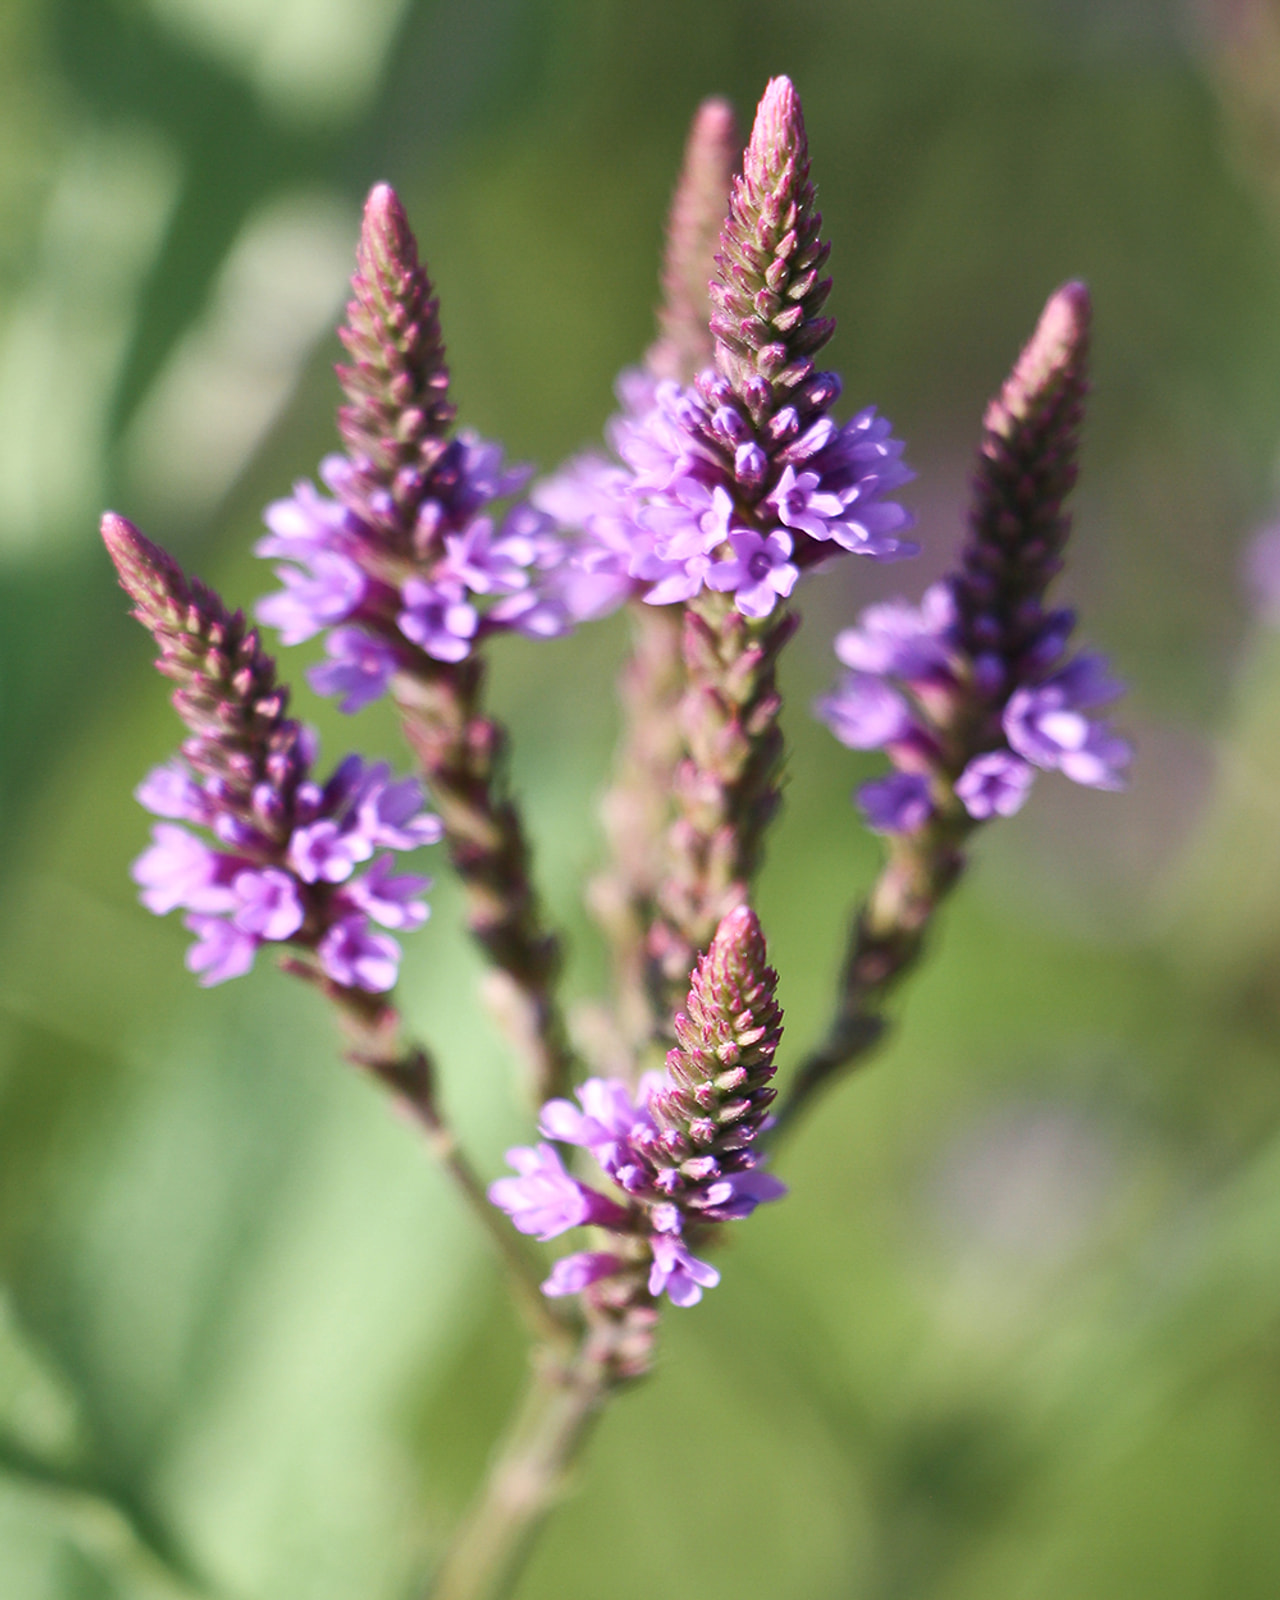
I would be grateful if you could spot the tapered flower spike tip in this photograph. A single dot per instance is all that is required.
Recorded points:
(1027, 465)
(151, 579)
(777, 135)
(736, 961)
(698, 208)
(718, 1075)
(397, 382)
(1052, 367)
(768, 287)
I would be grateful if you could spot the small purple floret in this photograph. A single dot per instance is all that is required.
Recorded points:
(572, 1274)
(544, 1200)
(1046, 725)
(677, 1273)
(269, 907)
(994, 785)
(899, 803)
(353, 955)
(221, 950)
(864, 713)
(359, 669)
(438, 618)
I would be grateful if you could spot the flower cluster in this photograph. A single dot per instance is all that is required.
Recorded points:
(283, 867)
(406, 558)
(261, 886)
(680, 1150)
(738, 482)
(973, 690)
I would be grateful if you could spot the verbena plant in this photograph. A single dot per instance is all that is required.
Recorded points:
(729, 479)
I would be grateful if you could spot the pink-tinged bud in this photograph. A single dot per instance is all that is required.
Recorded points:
(732, 1019)
(1051, 368)
(768, 289)
(398, 416)
(698, 210)
(226, 690)
(1026, 467)
(151, 579)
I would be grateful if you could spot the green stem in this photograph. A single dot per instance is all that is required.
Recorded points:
(372, 1027)
(530, 1472)
(463, 755)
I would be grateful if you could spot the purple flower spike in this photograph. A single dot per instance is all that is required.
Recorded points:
(740, 480)
(900, 803)
(680, 1147)
(282, 839)
(974, 690)
(410, 535)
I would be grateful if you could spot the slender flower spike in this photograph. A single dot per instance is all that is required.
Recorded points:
(730, 488)
(711, 157)
(406, 571)
(284, 865)
(681, 1150)
(975, 690)
(407, 564)
(770, 288)
(398, 414)
(746, 451)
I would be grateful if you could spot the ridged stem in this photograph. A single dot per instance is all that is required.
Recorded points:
(463, 756)
(376, 1044)
(726, 787)
(529, 1474)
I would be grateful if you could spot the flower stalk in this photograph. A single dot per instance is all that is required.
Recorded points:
(409, 574)
(972, 692)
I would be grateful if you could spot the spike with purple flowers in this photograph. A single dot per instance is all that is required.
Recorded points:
(973, 691)
(680, 1148)
(408, 569)
(730, 486)
(285, 865)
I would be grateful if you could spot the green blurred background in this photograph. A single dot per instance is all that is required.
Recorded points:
(1016, 1332)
